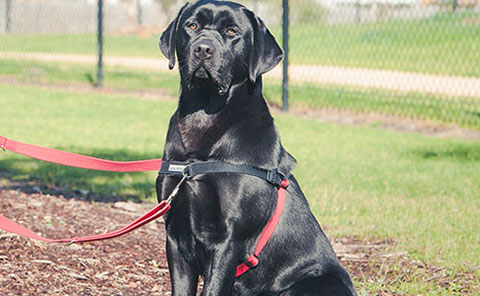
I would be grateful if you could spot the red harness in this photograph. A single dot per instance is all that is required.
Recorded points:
(87, 162)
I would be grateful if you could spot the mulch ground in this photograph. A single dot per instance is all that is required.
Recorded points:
(135, 264)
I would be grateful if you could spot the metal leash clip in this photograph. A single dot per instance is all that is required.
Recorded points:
(176, 189)
(73, 241)
(4, 142)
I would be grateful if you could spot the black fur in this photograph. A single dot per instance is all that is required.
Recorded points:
(214, 224)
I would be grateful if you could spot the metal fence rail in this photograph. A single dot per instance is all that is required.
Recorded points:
(408, 58)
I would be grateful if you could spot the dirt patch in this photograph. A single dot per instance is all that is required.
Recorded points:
(380, 263)
(389, 122)
(135, 264)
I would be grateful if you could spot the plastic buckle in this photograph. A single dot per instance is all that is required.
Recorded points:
(276, 178)
(252, 261)
(273, 177)
(284, 183)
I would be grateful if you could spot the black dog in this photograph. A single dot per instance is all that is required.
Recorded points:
(216, 219)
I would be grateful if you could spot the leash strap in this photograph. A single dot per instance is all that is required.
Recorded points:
(86, 162)
(10, 226)
(77, 160)
(155, 213)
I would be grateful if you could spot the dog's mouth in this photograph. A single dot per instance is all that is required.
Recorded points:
(202, 74)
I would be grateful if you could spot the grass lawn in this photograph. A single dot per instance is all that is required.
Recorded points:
(364, 182)
(464, 112)
(444, 44)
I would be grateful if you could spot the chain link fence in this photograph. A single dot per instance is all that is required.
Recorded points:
(408, 58)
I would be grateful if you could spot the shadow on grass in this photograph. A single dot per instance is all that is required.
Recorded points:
(460, 153)
(90, 79)
(35, 176)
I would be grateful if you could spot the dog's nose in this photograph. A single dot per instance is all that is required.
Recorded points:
(204, 49)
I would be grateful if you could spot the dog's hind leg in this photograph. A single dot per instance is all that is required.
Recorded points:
(330, 284)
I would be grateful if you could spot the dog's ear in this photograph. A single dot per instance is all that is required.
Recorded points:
(168, 40)
(265, 53)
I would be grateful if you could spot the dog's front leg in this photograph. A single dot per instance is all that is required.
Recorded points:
(221, 275)
(183, 278)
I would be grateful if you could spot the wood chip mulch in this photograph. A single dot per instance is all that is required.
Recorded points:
(134, 264)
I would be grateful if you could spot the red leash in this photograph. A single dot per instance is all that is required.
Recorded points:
(10, 226)
(87, 162)
(77, 160)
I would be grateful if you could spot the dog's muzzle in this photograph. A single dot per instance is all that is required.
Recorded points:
(203, 50)
(206, 64)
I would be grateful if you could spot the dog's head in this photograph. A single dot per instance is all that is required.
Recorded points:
(221, 42)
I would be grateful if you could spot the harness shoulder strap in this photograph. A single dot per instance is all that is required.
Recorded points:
(267, 233)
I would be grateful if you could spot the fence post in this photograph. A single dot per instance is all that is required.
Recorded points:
(139, 13)
(100, 43)
(357, 11)
(8, 8)
(285, 58)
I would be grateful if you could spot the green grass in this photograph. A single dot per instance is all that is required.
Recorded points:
(116, 128)
(65, 73)
(360, 181)
(464, 112)
(443, 44)
(114, 45)
(382, 183)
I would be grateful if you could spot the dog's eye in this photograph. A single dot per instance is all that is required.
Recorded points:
(193, 26)
(231, 31)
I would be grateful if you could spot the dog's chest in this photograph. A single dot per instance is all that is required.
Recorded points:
(199, 131)
(199, 220)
